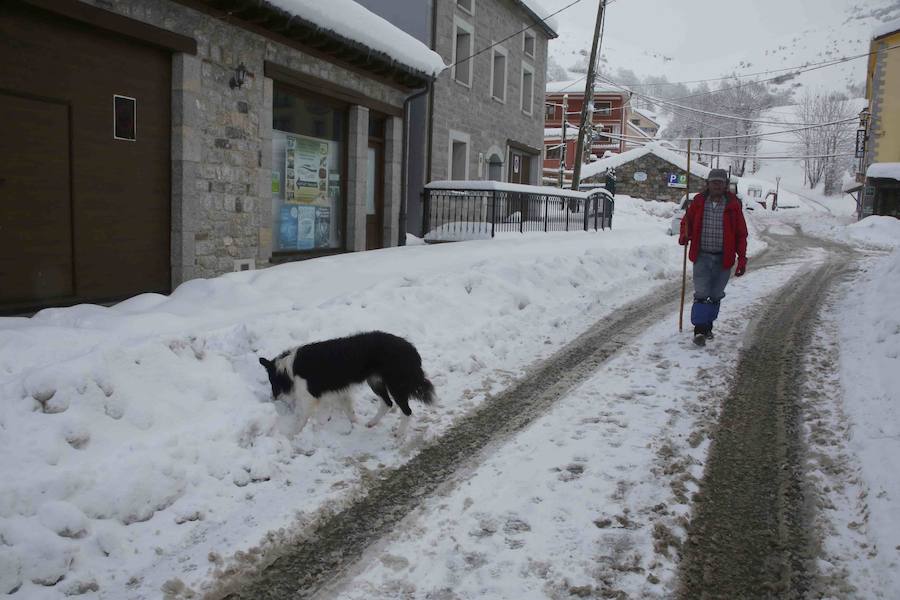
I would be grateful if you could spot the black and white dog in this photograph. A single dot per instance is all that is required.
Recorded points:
(325, 371)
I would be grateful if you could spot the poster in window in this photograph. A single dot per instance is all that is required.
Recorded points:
(306, 227)
(323, 226)
(307, 159)
(288, 227)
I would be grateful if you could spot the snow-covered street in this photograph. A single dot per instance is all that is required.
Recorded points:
(142, 451)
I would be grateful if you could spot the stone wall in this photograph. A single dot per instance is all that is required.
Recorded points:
(221, 137)
(656, 185)
(490, 124)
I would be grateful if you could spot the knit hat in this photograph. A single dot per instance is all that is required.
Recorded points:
(720, 174)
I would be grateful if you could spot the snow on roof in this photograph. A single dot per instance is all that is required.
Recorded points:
(886, 170)
(350, 20)
(576, 86)
(646, 114)
(655, 148)
(550, 24)
(502, 186)
(886, 28)
(638, 131)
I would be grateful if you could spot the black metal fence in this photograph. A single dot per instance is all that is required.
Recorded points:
(465, 214)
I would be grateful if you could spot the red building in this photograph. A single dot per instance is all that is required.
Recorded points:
(608, 117)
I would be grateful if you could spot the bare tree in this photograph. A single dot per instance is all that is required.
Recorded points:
(826, 143)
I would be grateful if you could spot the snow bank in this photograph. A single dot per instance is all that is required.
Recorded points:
(140, 443)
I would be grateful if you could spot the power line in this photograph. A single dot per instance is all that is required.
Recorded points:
(747, 156)
(540, 20)
(759, 135)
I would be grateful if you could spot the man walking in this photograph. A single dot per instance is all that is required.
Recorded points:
(715, 228)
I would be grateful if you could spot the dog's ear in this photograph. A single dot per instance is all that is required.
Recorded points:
(268, 364)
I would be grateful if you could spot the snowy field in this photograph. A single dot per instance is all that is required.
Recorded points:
(141, 447)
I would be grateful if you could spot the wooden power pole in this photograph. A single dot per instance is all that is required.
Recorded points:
(588, 99)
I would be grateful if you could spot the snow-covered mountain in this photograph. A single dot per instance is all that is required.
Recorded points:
(687, 41)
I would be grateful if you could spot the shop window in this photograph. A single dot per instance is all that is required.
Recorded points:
(308, 144)
(124, 118)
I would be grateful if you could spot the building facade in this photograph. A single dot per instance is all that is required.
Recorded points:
(608, 118)
(486, 110)
(154, 141)
(880, 193)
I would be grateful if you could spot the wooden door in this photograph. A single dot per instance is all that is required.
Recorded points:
(36, 262)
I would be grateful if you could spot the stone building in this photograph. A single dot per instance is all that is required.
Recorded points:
(651, 172)
(487, 118)
(149, 142)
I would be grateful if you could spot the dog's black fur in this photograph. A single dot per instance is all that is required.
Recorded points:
(388, 363)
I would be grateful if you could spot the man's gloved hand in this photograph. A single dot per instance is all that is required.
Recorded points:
(741, 267)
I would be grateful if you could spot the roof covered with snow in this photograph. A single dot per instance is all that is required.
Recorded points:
(637, 131)
(646, 114)
(654, 148)
(548, 24)
(886, 28)
(884, 170)
(353, 25)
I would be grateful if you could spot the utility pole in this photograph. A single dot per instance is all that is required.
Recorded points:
(562, 152)
(588, 99)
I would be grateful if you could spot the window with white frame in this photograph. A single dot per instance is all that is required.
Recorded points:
(498, 73)
(458, 165)
(527, 88)
(549, 111)
(463, 48)
(603, 108)
(529, 42)
(466, 5)
(554, 152)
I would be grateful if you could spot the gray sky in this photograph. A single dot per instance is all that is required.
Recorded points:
(693, 39)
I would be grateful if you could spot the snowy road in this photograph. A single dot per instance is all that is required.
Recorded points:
(753, 482)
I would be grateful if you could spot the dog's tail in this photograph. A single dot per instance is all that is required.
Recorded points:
(423, 391)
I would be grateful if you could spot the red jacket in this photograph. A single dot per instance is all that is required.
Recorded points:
(735, 230)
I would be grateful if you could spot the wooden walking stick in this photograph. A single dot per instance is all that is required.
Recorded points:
(687, 195)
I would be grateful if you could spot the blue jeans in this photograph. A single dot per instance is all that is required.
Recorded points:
(710, 280)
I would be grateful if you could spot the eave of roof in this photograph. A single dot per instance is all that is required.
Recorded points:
(341, 49)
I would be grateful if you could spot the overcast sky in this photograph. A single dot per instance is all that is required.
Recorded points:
(692, 39)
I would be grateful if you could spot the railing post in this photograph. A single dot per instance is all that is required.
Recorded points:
(425, 211)
(493, 210)
(546, 201)
(585, 210)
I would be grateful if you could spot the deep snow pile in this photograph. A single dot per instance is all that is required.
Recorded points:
(139, 441)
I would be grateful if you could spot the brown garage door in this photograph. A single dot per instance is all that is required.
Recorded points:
(106, 222)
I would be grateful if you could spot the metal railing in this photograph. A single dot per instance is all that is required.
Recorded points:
(455, 212)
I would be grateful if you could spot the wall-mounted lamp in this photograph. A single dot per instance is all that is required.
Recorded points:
(240, 74)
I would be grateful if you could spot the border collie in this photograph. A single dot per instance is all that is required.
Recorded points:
(391, 366)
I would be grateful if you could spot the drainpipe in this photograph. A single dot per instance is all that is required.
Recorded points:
(404, 166)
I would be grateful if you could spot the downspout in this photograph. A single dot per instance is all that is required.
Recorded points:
(404, 164)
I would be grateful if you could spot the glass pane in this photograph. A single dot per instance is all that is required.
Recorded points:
(370, 183)
(124, 119)
(307, 196)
